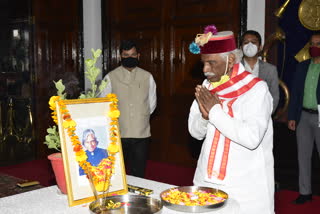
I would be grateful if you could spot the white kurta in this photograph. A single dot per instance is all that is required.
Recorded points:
(250, 171)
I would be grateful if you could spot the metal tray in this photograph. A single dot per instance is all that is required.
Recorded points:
(193, 209)
(131, 204)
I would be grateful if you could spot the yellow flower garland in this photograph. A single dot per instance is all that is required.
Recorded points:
(102, 173)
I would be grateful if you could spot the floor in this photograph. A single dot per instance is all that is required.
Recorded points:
(286, 164)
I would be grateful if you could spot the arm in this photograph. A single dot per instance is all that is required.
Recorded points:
(274, 87)
(296, 91)
(196, 124)
(152, 94)
(294, 100)
(108, 88)
(248, 130)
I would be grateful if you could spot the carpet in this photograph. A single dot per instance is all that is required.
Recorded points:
(169, 173)
(283, 204)
(35, 170)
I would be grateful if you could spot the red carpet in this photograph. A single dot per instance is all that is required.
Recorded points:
(283, 204)
(41, 171)
(36, 170)
(169, 173)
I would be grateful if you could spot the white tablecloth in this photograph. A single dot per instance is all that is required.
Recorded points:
(49, 200)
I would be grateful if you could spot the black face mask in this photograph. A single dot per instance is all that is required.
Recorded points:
(129, 62)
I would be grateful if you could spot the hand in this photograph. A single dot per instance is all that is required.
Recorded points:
(206, 100)
(204, 113)
(292, 125)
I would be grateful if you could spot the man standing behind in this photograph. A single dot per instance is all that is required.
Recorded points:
(136, 91)
(303, 115)
(232, 111)
(251, 46)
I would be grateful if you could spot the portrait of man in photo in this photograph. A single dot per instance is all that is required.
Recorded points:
(94, 153)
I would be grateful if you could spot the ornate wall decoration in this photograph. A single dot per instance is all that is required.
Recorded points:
(309, 14)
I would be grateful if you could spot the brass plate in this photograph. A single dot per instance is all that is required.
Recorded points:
(130, 204)
(193, 209)
(309, 14)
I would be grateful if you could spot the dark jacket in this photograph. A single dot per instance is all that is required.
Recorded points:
(297, 91)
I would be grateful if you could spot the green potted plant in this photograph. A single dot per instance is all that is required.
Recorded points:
(52, 139)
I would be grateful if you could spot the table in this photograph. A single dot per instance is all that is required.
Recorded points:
(49, 200)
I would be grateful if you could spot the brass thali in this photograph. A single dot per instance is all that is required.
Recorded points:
(129, 204)
(195, 208)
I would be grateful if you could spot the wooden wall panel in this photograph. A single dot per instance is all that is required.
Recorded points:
(185, 66)
(58, 48)
(146, 11)
(271, 25)
(186, 9)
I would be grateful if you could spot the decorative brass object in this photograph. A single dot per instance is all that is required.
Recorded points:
(282, 110)
(309, 14)
(26, 133)
(10, 128)
(279, 35)
(278, 13)
(14, 132)
(303, 54)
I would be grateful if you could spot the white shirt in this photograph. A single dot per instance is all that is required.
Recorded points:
(255, 70)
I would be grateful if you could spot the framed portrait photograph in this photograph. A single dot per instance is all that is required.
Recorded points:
(91, 148)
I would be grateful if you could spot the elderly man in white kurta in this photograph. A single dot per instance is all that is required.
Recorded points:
(232, 111)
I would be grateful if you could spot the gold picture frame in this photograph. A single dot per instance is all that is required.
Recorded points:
(90, 114)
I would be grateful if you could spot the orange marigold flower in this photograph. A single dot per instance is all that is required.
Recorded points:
(74, 143)
(81, 157)
(114, 114)
(113, 123)
(66, 116)
(111, 96)
(113, 105)
(72, 128)
(68, 123)
(64, 112)
(113, 148)
(61, 103)
(113, 139)
(77, 148)
(113, 128)
(75, 137)
(55, 119)
(52, 102)
(112, 158)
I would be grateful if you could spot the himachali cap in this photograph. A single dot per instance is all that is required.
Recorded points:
(213, 42)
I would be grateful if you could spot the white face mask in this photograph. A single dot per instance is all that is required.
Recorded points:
(250, 49)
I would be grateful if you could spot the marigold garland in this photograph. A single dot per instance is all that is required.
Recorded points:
(102, 173)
